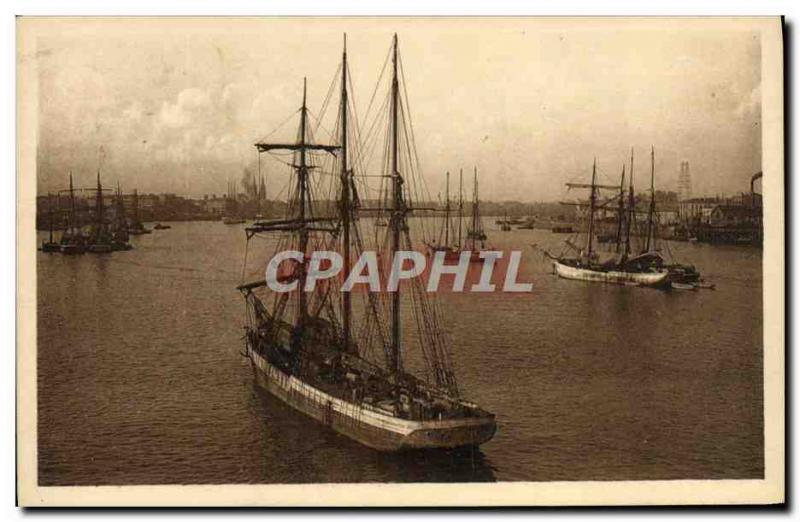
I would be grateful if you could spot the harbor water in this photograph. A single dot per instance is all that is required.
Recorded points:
(141, 378)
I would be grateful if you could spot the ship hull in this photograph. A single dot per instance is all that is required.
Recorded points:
(367, 425)
(455, 255)
(610, 276)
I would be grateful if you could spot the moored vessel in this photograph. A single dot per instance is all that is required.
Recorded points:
(620, 268)
(343, 366)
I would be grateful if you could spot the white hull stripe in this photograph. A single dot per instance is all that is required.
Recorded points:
(360, 412)
(582, 274)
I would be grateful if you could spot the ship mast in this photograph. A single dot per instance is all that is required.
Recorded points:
(651, 210)
(460, 203)
(592, 201)
(301, 224)
(345, 205)
(620, 209)
(135, 207)
(71, 206)
(631, 213)
(398, 216)
(302, 182)
(447, 211)
(50, 214)
(473, 231)
(99, 203)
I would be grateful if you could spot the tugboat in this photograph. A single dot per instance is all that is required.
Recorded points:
(303, 346)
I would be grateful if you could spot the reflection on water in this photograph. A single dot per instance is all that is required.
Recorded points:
(141, 381)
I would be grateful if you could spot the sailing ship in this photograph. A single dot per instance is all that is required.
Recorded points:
(475, 234)
(681, 276)
(452, 252)
(475, 230)
(100, 237)
(303, 346)
(73, 240)
(137, 228)
(232, 215)
(119, 232)
(505, 224)
(645, 269)
(50, 245)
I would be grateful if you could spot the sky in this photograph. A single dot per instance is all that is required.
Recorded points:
(176, 105)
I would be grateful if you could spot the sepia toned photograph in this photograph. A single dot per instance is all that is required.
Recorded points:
(270, 261)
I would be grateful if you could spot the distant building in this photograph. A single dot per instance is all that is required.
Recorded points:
(214, 205)
(697, 210)
(731, 216)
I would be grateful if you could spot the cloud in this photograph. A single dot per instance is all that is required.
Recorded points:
(189, 104)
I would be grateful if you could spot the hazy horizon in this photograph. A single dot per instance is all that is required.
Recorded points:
(177, 104)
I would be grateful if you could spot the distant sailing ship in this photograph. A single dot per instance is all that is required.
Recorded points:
(119, 232)
(303, 346)
(680, 275)
(475, 235)
(645, 269)
(73, 241)
(50, 245)
(137, 228)
(100, 237)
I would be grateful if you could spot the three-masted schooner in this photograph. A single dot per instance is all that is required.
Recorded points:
(645, 269)
(308, 350)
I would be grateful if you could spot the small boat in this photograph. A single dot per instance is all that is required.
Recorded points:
(159, 226)
(138, 229)
(454, 253)
(232, 220)
(683, 286)
(562, 230)
(100, 248)
(72, 248)
(527, 225)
